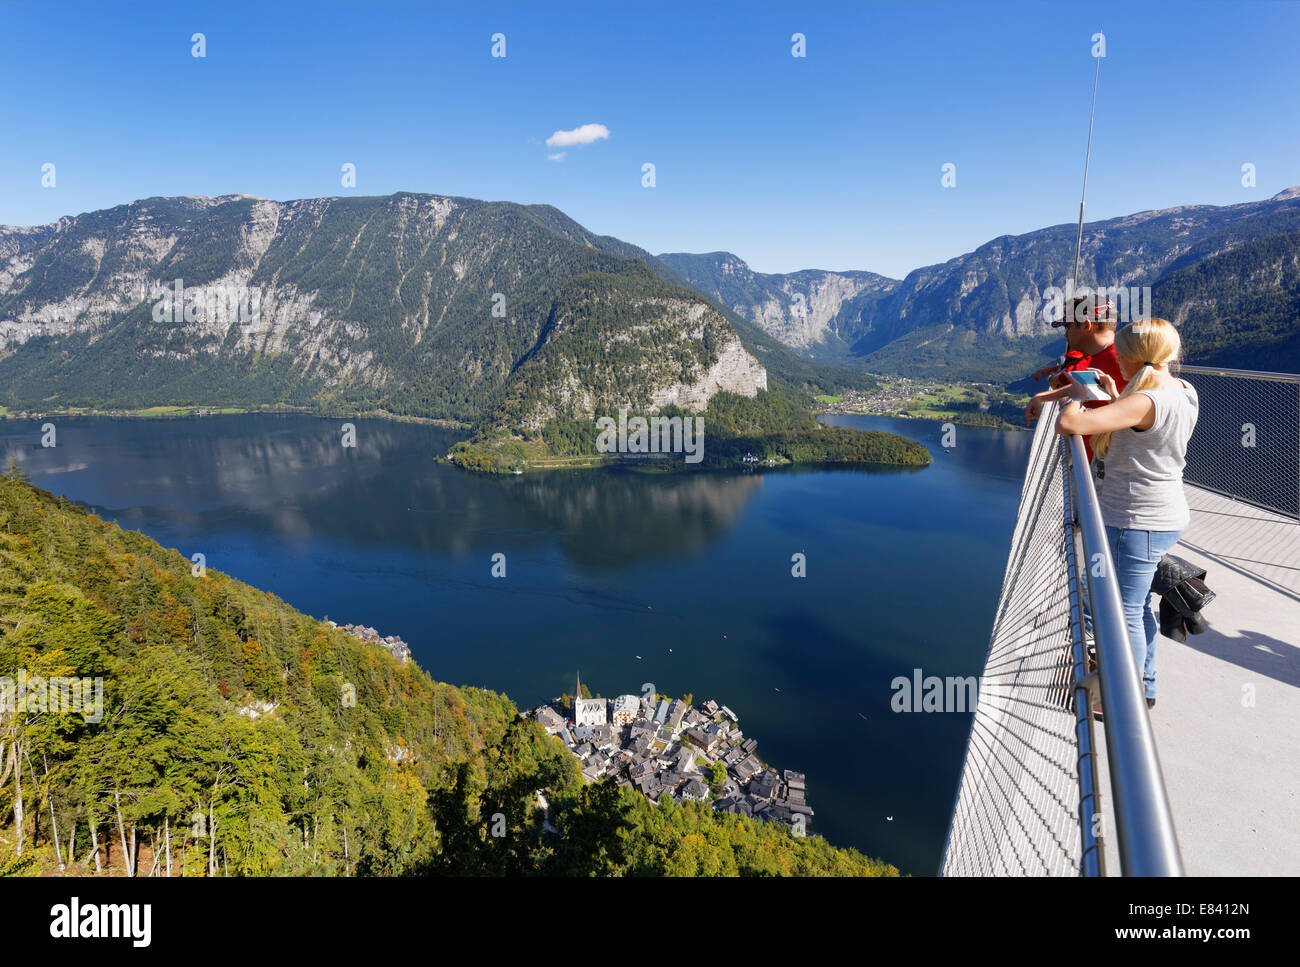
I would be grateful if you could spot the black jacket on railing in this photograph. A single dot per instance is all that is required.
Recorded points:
(1182, 590)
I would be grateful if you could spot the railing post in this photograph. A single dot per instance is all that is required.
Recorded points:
(1092, 856)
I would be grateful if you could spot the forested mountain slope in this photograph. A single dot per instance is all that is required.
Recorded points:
(418, 305)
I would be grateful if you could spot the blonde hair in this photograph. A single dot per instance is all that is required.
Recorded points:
(1152, 342)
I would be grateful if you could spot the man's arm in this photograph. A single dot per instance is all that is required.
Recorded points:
(1035, 406)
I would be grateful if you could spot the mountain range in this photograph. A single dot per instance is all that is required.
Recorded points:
(515, 318)
(1229, 276)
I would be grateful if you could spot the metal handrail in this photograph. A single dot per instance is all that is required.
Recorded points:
(1144, 824)
(1242, 373)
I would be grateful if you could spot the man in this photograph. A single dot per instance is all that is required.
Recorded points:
(1090, 344)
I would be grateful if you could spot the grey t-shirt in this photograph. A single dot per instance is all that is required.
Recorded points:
(1140, 482)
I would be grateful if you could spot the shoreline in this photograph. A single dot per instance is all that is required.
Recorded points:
(196, 412)
(1003, 426)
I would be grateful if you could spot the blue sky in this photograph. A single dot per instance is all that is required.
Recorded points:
(829, 161)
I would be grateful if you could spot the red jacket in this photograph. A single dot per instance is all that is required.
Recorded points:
(1108, 362)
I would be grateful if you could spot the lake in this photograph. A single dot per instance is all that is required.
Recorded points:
(680, 580)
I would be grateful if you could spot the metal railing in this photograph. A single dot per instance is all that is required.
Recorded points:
(1247, 440)
(1029, 800)
(1144, 824)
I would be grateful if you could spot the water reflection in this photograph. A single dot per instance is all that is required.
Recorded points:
(291, 477)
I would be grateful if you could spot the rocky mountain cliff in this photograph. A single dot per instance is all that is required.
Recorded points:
(420, 305)
(980, 315)
(805, 310)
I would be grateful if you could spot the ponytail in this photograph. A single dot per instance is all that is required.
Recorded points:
(1144, 378)
(1155, 342)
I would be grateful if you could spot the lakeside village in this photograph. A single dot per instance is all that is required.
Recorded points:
(692, 753)
(979, 404)
(657, 747)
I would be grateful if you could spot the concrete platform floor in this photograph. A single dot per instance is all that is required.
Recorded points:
(1227, 715)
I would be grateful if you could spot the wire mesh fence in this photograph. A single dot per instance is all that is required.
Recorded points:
(1017, 810)
(1247, 439)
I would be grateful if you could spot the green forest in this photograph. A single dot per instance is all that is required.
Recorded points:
(822, 444)
(1224, 322)
(773, 425)
(239, 737)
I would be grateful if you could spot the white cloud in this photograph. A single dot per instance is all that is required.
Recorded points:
(558, 156)
(585, 134)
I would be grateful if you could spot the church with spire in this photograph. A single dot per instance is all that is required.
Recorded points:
(587, 711)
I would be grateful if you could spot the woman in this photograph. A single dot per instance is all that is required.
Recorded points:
(1140, 442)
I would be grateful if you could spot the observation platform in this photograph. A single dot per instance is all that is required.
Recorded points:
(1231, 768)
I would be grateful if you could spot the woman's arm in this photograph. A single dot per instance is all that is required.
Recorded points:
(1138, 410)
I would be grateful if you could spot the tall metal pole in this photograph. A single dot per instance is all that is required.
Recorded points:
(1078, 241)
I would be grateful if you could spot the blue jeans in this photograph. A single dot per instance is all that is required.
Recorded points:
(1136, 554)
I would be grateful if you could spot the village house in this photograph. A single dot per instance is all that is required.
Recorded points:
(625, 711)
(549, 719)
(694, 791)
(764, 786)
(708, 741)
(747, 768)
(675, 713)
(604, 736)
(685, 761)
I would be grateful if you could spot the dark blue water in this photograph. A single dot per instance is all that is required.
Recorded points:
(690, 572)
